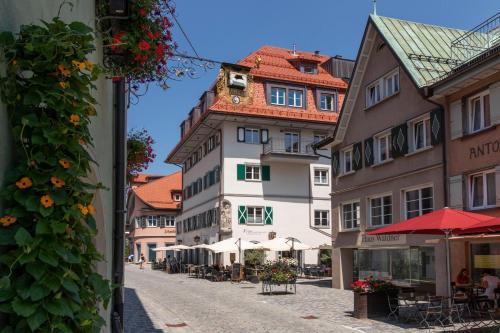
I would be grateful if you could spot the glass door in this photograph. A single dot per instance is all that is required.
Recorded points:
(152, 254)
(292, 142)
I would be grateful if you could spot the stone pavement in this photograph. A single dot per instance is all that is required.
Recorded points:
(154, 299)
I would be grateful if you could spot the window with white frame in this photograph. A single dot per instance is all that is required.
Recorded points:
(152, 221)
(295, 98)
(252, 135)
(327, 102)
(420, 133)
(177, 197)
(278, 95)
(309, 68)
(321, 176)
(168, 221)
(254, 215)
(380, 210)
(384, 87)
(252, 172)
(347, 160)
(482, 189)
(479, 112)
(382, 147)
(350, 215)
(322, 218)
(418, 201)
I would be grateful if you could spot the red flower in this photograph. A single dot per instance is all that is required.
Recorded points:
(143, 12)
(376, 285)
(150, 35)
(160, 51)
(143, 45)
(359, 284)
(117, 40)
(157, 34)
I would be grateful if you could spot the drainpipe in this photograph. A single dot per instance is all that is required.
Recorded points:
(119, 199)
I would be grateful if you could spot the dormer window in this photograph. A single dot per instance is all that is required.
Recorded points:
(291, 96)
(308, 68)
(278, 96)
(177, 197)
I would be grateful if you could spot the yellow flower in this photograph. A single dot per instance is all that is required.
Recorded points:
(46, 201)
(84, 210)
(57, 182)
(7, 220)
(64, 85)
(65, 164)
(89, 64)
(14, 62)
(74, 119)
(79, 64)
(24, 183)
(91, 209)
(64, 71)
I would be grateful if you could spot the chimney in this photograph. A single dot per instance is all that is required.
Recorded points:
(316, 52)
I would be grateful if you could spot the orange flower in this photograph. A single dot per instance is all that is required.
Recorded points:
(89, 64)
(91, 209)
(57, 182)
(24, 183)
(63, 84)
(84, 210)
(79, 64)
(65, 164)
(74, 119)
(64, 71)
(7, 220)
(46, 201)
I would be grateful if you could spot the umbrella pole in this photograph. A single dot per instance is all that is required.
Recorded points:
(448, 269)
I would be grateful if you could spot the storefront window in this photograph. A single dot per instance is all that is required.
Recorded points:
(485, 257)
(411, 266)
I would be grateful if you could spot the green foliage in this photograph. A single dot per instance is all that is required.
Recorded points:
(47, 278)
(254, 257)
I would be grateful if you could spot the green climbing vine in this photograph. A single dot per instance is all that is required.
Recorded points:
(48, 281)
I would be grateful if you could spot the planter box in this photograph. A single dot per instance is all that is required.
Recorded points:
(370, 305)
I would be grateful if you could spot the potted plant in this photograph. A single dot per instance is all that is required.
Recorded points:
(370, 297)
(279, 272)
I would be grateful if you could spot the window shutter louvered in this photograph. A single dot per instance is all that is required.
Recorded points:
(369, 152)
(241, 134)
(240, 172)
(357, 156)
(266, 172)
(268, 215)
(205, 181)
(399, 135)
(242, 214)
(264, 136)
(455, 186)
(456, 130)
(335, 163)
(437, 122)
(495, 103)
(143, 222)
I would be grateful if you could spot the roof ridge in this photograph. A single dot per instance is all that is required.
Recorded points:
(419, 23)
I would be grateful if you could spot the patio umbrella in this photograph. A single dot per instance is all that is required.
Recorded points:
(445, 221)
(161, 248)
(232, 245)
(284, 244)
(484, 227)
(201, 246)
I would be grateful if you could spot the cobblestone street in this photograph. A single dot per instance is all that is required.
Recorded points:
(155, 300)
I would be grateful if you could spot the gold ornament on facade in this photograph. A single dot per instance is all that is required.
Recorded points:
(224, 91)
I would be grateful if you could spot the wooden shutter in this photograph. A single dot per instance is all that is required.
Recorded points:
(240, 172)
(335, 163)
(455, 192)
(399, 136)
(369, 153)
(266, 172)
(264, 136)
(495, 104)
(268, 215)
(357, 156)
(205, 181)
(242, 214)
(437, 126)
(240, 135)
(456, 130)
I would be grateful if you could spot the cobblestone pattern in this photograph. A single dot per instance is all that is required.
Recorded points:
(154, 299)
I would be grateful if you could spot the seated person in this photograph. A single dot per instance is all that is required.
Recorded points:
(463, 278)
(489, 283)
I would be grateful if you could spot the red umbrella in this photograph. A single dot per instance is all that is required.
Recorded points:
(490, 226)
(443, 221)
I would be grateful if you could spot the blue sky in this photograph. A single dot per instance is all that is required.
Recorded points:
(229, 30)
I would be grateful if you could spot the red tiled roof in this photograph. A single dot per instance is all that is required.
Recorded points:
(145, 177)
(275, 64)
(158, 193)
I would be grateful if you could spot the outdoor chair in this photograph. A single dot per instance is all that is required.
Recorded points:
(394, 307)
(432, 312)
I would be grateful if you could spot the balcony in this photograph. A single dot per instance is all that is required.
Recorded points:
(289, 149)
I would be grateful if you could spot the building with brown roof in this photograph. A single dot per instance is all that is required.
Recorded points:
(152, 211)
(249, 169)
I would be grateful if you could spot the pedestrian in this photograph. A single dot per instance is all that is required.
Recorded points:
(131, 258)
(141, 261)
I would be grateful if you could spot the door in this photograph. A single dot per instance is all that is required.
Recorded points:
(292, 142)
(137, 255)
(152, 254)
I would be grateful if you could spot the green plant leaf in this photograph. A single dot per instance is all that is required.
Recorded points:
(23, 308)
(59, 228)
(7, 236)
(32, 203)
(42, 228)
(6, 294)
(4, 282)
(47, 258)
(37, 292)
(6, 38)
(36, 269)
(60, 197)
(59, 307)
(36, 320)
(23, 237)
(70, 286)
(46, 211)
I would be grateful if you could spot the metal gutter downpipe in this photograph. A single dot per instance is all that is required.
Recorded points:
(120, 141)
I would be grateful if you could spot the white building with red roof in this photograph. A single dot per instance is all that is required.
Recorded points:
(249, 170)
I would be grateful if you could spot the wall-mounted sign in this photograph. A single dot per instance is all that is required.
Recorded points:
(483, 149)
(382, 240)
(487, 261)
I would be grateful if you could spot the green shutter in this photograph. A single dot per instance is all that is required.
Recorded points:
(240, 174)
(266, 172)
(268, 215)
(242, 214)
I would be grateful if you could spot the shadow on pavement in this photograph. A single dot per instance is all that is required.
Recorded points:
(136, 317)
(323, 283)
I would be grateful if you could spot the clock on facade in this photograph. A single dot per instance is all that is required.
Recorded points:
(236, 100)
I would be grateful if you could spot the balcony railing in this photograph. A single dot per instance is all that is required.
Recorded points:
(288, 146)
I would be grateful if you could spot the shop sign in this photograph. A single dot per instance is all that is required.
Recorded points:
(487, 261)
(383, 240)
(486, 148)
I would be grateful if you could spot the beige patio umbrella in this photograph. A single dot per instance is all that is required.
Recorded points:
(232, 245)
(284, 244)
